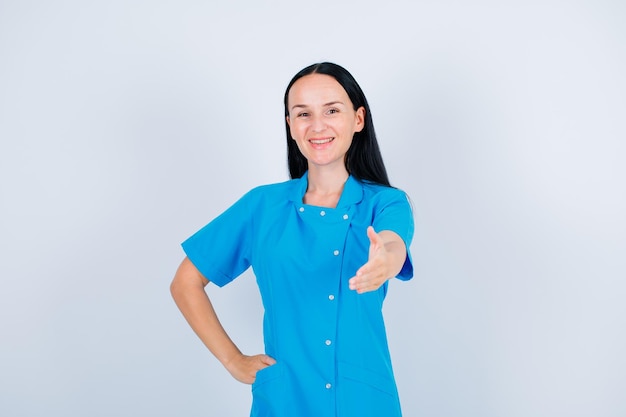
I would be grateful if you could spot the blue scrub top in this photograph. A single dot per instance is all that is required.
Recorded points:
(329, 341)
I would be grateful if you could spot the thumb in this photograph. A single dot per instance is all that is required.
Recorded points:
(375, 240)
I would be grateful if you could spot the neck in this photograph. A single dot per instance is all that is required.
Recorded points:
(325, 186)
(326, 181)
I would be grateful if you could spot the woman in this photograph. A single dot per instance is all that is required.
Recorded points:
(322, 246)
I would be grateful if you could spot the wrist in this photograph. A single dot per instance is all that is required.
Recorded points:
(230, 359)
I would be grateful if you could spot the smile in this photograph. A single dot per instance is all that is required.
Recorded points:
(321, 141)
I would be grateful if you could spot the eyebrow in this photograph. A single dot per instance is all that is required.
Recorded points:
(332, 103)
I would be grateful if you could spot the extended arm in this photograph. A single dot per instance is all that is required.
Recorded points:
(188, 291)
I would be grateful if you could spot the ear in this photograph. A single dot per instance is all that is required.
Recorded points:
(360, 119)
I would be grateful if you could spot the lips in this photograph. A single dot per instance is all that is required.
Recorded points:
(321, 141)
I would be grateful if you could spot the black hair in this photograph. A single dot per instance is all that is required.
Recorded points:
(363, 159)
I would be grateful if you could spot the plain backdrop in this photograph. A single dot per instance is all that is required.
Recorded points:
(125, 126)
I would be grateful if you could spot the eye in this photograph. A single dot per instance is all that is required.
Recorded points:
(333, 111)
(302, 114)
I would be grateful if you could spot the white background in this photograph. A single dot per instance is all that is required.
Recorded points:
(127, 125)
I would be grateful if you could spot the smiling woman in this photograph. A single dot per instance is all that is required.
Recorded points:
(323, 247)
(322, 121)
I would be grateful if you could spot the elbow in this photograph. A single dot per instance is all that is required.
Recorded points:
(187, 278)
(175, 288)
(179, 284)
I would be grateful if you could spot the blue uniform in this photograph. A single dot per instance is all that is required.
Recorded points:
(329, 342)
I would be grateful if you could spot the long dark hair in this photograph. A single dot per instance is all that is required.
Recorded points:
(363, 159)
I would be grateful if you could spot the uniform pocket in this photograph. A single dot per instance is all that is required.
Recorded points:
(364, 393)
(267, 374)
(375, 380)
(268, 392)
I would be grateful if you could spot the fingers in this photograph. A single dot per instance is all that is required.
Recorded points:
(369, 277)
(267, 360)
(263, 361)
(353, 284)
(367, 280)
(244, 368)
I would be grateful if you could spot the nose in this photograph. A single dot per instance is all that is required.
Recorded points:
(317, 124)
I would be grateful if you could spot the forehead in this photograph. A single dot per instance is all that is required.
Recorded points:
(316, 88)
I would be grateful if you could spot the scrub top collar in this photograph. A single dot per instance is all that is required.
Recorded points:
(352, 191)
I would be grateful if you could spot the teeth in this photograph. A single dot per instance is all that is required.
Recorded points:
(321, 141)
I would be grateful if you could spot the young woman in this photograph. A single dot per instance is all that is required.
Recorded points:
(322, 246)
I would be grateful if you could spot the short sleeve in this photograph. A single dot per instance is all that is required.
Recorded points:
(221, 249)
(394, 213)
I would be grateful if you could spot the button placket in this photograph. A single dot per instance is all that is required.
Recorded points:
(338, 224)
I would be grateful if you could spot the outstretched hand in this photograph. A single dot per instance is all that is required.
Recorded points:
(378, 269)
(244, 368)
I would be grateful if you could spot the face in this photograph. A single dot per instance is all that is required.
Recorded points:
(322, 120)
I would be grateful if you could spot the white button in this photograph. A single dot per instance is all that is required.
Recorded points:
(322, 213)
(328, 386)
(331, 297)
(336, 252)
(301, 209)
(345, 217)
(328, 342)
